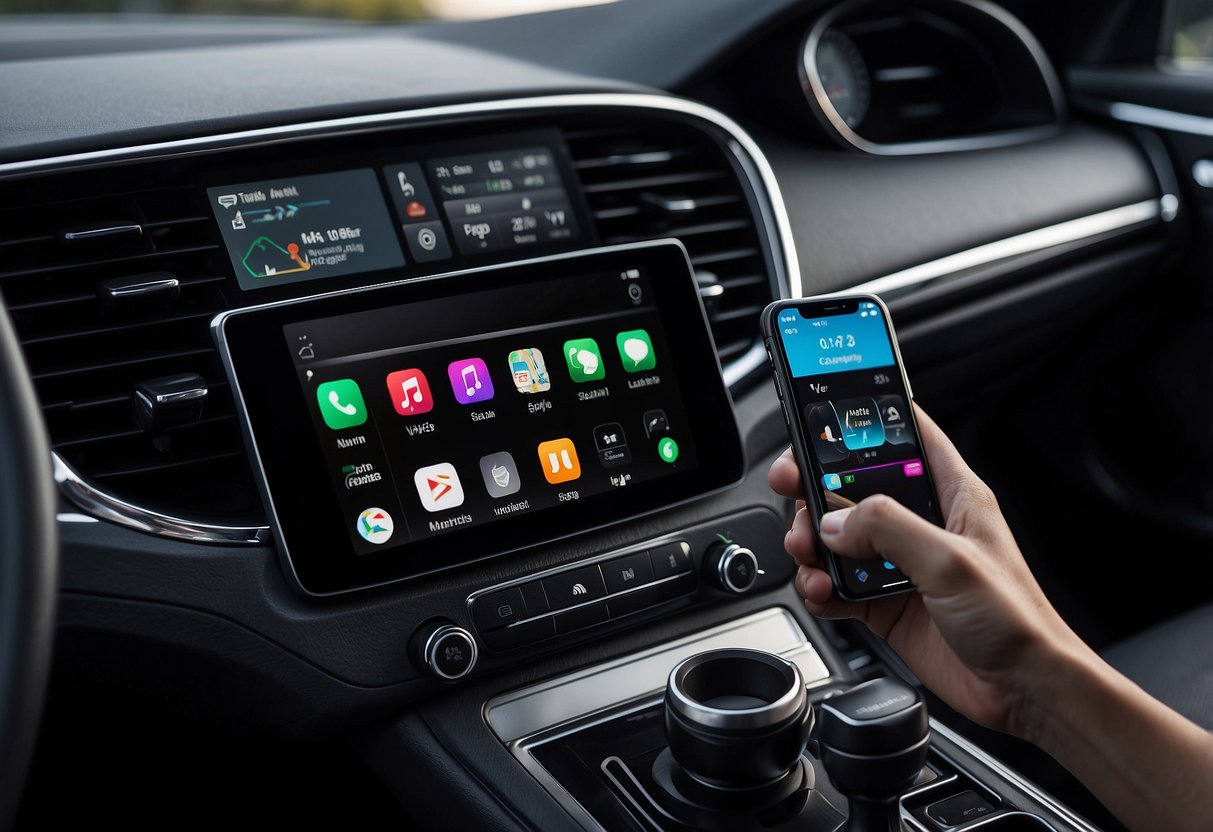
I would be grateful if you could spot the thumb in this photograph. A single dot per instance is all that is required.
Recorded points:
(933, 558)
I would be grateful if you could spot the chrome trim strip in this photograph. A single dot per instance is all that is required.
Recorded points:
(750, 360)
(519, 714)
(1071, 231)
(749, 157)
(108, 507)
(815, 91)
(1013, 777)
(1161, 119)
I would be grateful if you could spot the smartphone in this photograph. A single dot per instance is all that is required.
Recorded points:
(848, 404)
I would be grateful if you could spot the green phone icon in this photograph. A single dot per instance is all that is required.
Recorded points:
(584, 359)
(341, 404)
(636, 350)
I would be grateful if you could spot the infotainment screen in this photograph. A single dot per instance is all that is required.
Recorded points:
(411, 427)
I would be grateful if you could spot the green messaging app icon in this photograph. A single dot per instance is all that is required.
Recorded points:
(584, 359)
(341, 404)
(636, 350)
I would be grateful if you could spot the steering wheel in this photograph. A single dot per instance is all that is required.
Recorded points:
(29, 554)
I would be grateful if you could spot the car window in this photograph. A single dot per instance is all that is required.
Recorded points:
(1192, 41)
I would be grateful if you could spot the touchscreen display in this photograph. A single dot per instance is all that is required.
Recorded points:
(500, 403)
(854, 409)
(419, 425)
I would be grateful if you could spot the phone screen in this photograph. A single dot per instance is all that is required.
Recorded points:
(849, 394)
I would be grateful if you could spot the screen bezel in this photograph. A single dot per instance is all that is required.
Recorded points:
(820, 307)
(318, 557)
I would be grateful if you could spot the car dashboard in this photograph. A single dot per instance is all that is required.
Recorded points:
(130, 181)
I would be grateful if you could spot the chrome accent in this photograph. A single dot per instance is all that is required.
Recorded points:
(750, 360)
(773, 220)
(118, 289)
(1013, 777)
(108, 507)
(731, 552)
(520, 714)
(107, 231)
(787, 705)
(1202, 172)
(1071, 231)
(74, 517)
(815, 91)
(1161, 119)
(431, 643)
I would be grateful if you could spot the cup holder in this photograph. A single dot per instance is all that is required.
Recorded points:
(737, 719)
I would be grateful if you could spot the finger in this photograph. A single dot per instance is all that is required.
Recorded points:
(784, 476)
(934, 559)
(800, 541)
(817, 589)
(952, 475)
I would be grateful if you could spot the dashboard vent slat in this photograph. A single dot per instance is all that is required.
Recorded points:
(88, 349)
(646, 181)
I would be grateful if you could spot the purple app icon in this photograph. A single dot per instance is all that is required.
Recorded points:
(470, 380)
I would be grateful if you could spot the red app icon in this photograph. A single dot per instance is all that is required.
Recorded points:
(415, 210)
(410, 392)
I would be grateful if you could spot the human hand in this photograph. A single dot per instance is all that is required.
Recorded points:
(978, 630)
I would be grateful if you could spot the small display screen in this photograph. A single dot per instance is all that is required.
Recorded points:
(306, 227)
(855, 413)
(412, 427)
(410, 212)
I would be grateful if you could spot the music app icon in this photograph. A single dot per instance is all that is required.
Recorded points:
(470, 380)
(410, 392)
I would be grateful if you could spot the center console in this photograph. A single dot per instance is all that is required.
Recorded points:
(743, 727)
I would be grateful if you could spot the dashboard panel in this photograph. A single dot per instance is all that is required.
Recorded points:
(125, 232)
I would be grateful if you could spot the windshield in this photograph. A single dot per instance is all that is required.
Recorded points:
(368, 10)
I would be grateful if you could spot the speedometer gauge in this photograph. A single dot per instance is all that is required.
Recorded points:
(843, 75)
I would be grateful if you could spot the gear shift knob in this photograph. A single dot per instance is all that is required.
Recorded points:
(874, 743)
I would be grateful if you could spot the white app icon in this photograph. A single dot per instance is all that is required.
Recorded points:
(438, 487)
(375, 526)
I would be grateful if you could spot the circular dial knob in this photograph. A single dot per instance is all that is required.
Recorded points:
(731, 567)
(445, 650)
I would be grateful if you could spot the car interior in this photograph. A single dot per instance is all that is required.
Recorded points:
(298, 312)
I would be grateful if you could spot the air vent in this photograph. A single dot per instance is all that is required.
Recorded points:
(108, 294)
(648, 182)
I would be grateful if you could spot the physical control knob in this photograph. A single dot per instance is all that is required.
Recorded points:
(874, 742)
(731, 567)
(445, 650)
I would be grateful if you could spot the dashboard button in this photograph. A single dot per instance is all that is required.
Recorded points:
(627, 572)
(622, 605)
(520, 635)
(682, 585)
(671, 558)
(574, 587)
(536, 600)
(579, 619)
(427, 241)
(497, 609)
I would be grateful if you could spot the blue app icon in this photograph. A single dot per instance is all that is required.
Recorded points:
(833, 482)
(862, 575)
(888, 565)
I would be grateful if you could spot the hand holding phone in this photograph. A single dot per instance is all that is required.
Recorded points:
(848, 405)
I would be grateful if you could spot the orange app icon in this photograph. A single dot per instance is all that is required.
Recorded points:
(559, 460)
